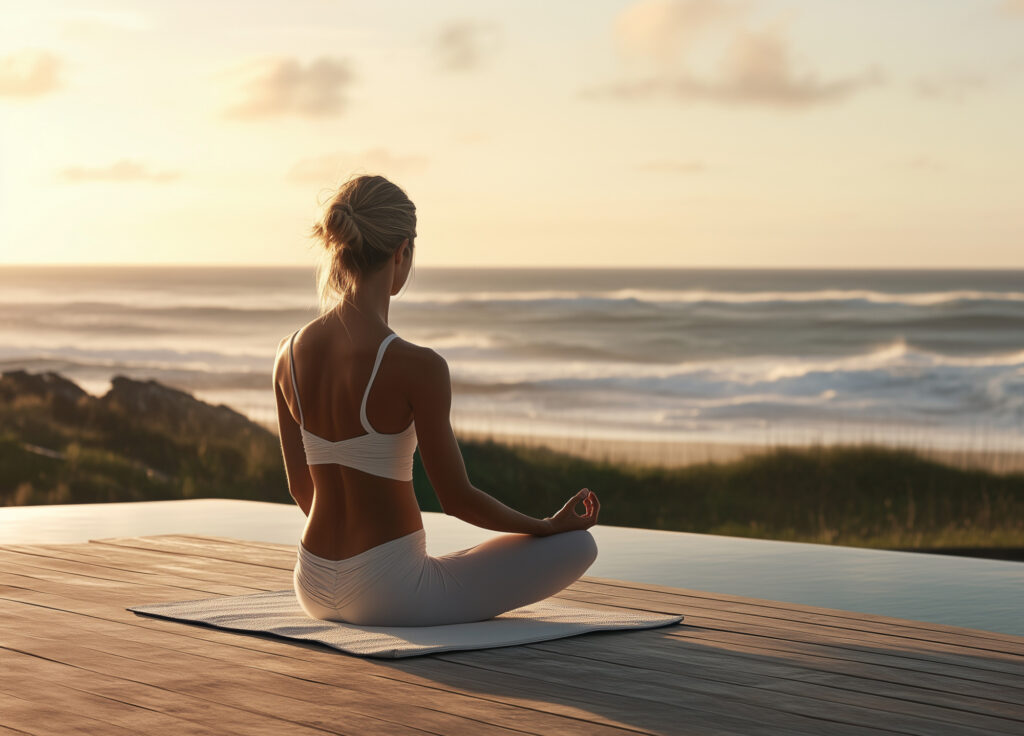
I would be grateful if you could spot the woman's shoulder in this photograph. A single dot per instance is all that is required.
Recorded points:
(423, 370)
(281, 364)
(417, 356)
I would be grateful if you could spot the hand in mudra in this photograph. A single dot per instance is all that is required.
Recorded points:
(567, 519)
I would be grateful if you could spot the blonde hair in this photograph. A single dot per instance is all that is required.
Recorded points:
(362, 226)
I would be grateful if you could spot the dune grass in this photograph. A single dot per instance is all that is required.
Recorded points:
(145, 441)
(852, 495)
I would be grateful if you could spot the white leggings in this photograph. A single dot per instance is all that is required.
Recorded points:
(398, 584)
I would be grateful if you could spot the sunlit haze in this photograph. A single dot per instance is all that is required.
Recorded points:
(651, 133)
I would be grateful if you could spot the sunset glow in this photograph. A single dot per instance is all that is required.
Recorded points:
(652, 133)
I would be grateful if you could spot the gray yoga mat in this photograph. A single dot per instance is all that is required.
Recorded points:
(277, 612)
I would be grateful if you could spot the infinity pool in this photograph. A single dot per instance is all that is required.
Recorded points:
(959, 591)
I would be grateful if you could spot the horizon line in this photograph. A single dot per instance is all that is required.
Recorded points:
(510, 267)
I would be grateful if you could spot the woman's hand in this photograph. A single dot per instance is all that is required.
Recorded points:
(567, 519)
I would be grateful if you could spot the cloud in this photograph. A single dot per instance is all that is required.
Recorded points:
(123, 170)
(674, 167)
(662, 28)
(333, 166)
(1012, 7)
(754, 67)
(282, 86)
(464, 45)
(949, 87)
(29, 73)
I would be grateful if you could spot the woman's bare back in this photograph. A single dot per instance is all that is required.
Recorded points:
(352, 510)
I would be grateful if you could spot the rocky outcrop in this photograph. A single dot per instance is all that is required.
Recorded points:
(63, 397)
(176, 410)
(140, 440)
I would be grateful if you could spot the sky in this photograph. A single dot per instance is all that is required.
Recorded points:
(653, 133)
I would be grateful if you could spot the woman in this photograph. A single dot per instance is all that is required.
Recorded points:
(348, 450)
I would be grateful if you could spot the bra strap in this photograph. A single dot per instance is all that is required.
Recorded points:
(373, 374)
(295, 386)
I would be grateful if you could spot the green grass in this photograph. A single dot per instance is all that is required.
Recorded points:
(851, 495)
(178, 447)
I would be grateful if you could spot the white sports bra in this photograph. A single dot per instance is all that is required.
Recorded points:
(387, 455)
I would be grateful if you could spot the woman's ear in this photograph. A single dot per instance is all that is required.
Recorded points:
(400, 252)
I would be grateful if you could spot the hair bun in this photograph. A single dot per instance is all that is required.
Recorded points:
(358, 245)
(339, 209)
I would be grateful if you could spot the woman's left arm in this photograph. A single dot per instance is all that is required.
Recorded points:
(300, 482)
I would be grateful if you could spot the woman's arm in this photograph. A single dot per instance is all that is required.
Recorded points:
(300, 482)
(431, 400)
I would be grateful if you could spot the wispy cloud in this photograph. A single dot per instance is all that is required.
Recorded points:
(333, 166)
(465, 45)
(123, 170)
(755, 67)
(287, 86)
(664, 29)
(949, 87)
(29, 73)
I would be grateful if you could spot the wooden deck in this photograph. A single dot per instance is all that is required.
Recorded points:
(73, 660)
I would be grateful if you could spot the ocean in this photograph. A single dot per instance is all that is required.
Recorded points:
(925, 358)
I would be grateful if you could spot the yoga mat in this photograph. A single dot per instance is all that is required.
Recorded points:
(278, 612)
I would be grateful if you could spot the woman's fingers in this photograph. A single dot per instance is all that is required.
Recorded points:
(595, 505)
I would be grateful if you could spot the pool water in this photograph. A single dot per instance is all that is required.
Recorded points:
(959, 591)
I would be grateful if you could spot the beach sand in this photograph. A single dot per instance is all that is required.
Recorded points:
(679, 454)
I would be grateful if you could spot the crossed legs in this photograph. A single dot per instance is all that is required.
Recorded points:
(473, 584)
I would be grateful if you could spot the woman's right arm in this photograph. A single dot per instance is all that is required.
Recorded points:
(431, 399)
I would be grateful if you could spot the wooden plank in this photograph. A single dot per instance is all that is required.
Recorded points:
(253, 700)
(101, 590)
(115, 709)
(898, 661)
(894, 627)
(939, 683)
(159, 566)
(621, 686)
(61, 570)
(746, 667)
(205, 571)
(642, 590)
(888, 626)
(221, 546)
(154, 646)
(989, 660)
(634, 639)
(710, 715)
(42, 719)
(258, 557)
(777, 673)
(6, 731)
(716, 623)
(886, 668)
(788, 713)
(633, 605)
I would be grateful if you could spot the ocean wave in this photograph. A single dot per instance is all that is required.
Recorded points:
(212, 305)
(693, 296)
(473, 365)
(895, 358)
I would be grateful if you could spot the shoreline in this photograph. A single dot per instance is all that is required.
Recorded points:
(675, 454)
